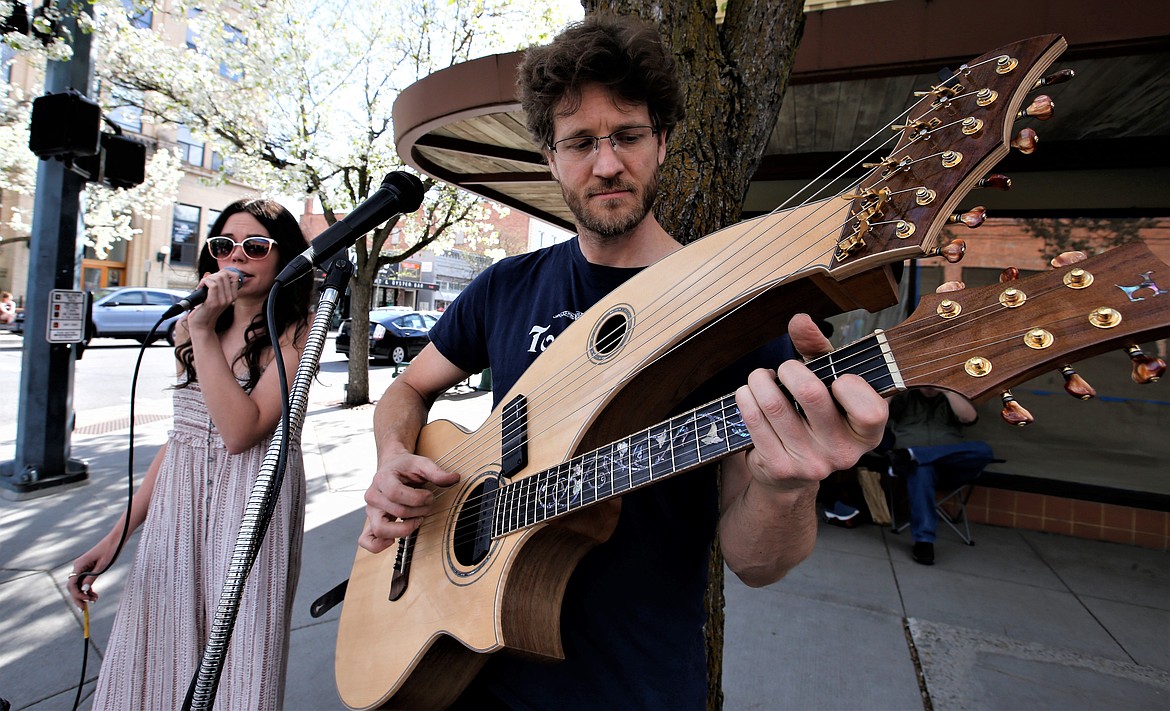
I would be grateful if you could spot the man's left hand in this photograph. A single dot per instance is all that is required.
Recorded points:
(833, 427)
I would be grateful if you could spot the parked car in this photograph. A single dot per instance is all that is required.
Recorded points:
(129, 312)
(431, 317)
(397, 334)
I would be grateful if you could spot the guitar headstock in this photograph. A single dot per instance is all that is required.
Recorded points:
(949, 142)
(982, 340)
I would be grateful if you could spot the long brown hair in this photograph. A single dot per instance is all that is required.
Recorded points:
(291, 308)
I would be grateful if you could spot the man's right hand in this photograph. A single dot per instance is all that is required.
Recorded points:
(400, 497)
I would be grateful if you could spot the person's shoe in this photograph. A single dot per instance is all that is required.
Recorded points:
(901, 462)
(923, 552)
(840, 514)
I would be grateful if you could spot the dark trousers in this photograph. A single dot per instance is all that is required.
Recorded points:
(949, 465)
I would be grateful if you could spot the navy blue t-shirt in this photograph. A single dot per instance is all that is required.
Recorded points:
(633, 614)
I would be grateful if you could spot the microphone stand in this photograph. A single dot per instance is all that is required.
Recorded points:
(262, 501)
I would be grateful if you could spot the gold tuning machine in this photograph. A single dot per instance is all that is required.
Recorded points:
(1055, 78)
(1146, 369)
(1025, 141)
(953, 251)
(1013, 412)
(1075, 385)
(1041, 109)
(995, 181)
(972, 218)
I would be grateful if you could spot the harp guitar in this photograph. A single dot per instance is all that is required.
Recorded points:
(540, 479)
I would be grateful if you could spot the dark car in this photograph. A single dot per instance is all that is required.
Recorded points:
(397, 334)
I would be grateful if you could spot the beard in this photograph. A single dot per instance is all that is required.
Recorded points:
(604, 221)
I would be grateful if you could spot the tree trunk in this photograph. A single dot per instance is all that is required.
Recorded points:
(734, 75)
(358, 390)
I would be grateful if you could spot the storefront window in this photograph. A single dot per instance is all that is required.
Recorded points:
(185, 235)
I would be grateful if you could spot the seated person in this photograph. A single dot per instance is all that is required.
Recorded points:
(7, 308)
(927, 428)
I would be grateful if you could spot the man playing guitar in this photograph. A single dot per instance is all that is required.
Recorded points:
(602, 100)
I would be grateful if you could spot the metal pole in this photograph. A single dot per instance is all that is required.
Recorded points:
(45, 419)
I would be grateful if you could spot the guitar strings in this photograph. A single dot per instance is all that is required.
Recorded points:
(934, 106)
(763, 232)
(667, 296)
(671, 327)
(472, 503)
(880, 132)
(904, 336)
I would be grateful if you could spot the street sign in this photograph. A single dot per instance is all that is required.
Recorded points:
(66, 322)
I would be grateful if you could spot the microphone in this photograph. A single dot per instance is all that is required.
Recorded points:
(400, 192)
(197, 297)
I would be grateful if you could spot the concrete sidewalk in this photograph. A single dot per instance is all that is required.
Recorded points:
(1020, 620)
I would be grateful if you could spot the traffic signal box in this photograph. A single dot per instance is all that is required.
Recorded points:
(68, 127)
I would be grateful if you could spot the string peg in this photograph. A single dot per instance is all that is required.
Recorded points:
(1041, 109)
(1075, 385)
(1009, 274)
(1059, 77)
(953, 251)
(1146, 369)
(995, 181)
(1025, 141)
(972, 218)
(1013, 412)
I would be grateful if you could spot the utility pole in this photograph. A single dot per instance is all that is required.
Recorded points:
(45, 419)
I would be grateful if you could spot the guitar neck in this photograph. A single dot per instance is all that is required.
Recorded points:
(682, 443)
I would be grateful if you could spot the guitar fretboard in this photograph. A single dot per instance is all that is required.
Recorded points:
(684, 442)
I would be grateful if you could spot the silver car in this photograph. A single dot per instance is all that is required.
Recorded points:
(131, 311)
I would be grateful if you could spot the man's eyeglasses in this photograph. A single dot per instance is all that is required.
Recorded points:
(254, 247)
(624, 141)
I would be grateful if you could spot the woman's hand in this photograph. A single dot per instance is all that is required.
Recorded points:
(97, 558)
(222, 287)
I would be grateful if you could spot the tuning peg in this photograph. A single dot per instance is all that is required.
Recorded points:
(1075, 385)
(1041, 108)
(953, 251)
(972, 218)
(1009, 274)
(1025, 141)
(1013, 412)
(1146, 369)
(995, 181)
(1055, 78)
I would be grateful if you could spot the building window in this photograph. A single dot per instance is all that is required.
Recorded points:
(191, 147)
(127, 109)
(140, 17)
(192, 38)
(185, 235)
(232, 36)
(7, 54)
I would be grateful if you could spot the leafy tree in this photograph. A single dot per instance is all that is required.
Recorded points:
(302, 99)
(108, 213)
(735, 66)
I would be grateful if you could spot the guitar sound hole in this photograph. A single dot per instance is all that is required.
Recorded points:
(610, 334)
(472, 535)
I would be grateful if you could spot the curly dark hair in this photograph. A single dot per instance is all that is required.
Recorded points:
(291, 308)
(623, 54)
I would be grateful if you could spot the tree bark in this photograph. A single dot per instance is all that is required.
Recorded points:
(357, 389)
(734, 76)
